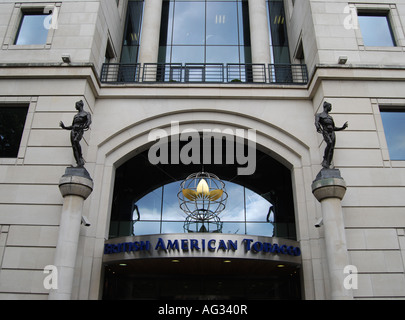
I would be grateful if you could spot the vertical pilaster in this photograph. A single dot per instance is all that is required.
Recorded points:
(149, 48)
(259, 32)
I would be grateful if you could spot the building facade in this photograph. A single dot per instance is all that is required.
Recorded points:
(177, 88)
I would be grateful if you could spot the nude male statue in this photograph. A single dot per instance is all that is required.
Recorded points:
(81, 122)
(324, 124)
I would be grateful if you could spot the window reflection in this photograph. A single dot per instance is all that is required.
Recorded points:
(222, 23)
(246, 212)
(32, 30)
(393, 122)
(278, 32)
(188, 23)
(205, 32)
(376, 30)
(132, 33)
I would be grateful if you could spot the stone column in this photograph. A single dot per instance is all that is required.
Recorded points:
(329, 189)
(259, 34)
(75, 186)
(149, 49)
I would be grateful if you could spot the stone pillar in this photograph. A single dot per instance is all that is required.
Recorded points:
(149, 49)
(259, 34)
(75, 186)
(329, 189)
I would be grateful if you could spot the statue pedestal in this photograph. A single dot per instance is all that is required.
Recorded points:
(75, 185)
(329, 189)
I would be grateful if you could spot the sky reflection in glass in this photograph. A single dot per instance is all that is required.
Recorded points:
(394, 129)
(204, 32)
(246, 212)
(32, 30)
(376, 31)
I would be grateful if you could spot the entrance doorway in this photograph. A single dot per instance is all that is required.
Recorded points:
(201, 279)
(145, 202)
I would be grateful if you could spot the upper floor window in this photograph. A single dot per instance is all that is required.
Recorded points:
(280, 52)
(376, 29)
(132, 33)
(205, 32)
(12, 121)
(32, 29)
(393, 122)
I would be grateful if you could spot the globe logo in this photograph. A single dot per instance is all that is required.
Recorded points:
(202, 197)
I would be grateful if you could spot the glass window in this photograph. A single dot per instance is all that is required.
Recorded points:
(393, 122)
(148, 207)
(235, 207)
(12, 121)
(132, 34)
(171, 209)
(223, 54)
(222, 23)
(205, 31)
(187, 54)
(246, 212)
(278, 32)
(376, 30)
(32, 29)
(189, 23)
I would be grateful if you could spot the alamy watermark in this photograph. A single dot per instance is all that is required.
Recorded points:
(351, 21)
(240, 147)
(51, 20)
(351, 280)
(51, 280)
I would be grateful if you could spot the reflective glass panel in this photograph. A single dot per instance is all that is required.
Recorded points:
(394, 129)
(132, 33)
(257, 207)
(205, 31)
(187, 54)
(141, 228)
(235, 208)
(173, 227)
(222, 54)
(376, 30)
(234, 227)
(149, 206)
(32, 30)
(189, 23)
(171, 208)
(260, 229)
(246, 212)
(222, 23)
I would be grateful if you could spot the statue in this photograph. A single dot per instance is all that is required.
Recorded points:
(324, 124)
(81, 123)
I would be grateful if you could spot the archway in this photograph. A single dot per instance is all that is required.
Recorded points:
(151, 189)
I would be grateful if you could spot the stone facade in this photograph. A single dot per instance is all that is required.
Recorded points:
(123, 116)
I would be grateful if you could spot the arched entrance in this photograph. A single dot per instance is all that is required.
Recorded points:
(145, 203)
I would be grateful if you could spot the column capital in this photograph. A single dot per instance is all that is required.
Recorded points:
(329, 184)
(77, 182)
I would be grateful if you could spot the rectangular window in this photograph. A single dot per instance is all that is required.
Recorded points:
(132, 34)
(376, 29)
(32, 29)
(205, 31)
(12, 121)
(278, 32)
(393, 122)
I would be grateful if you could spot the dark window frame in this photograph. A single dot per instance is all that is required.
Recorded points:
(10, 142)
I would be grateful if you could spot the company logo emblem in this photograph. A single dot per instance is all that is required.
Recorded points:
(203, 192)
